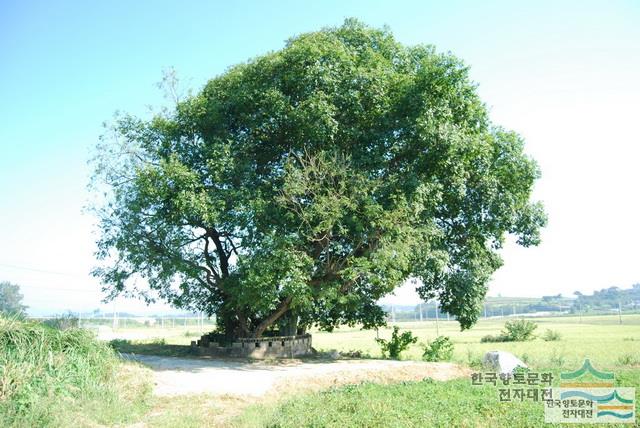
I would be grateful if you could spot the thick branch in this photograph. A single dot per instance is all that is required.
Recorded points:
(223, 256)
(275, 315)
(209, 284)
(208, 259)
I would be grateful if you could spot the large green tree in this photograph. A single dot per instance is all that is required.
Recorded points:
(300, 187)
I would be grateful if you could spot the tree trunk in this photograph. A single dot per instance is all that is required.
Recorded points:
(275, 316)
(288, 324)
(233, 324)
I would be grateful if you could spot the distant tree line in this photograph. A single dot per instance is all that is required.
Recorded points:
(610, 298)
(605, 300)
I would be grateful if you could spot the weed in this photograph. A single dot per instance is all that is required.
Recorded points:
(551, 335)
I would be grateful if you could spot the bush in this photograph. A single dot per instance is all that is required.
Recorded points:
(519, 330)
(551, 336)
(497, 338)
(397, 344)
(514, 331)
(62, 322)
(441, 349)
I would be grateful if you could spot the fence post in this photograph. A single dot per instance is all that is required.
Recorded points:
(620, 312)
(437, 329)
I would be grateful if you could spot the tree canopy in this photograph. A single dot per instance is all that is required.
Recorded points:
(300, 187)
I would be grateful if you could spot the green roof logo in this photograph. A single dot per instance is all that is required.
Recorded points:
(586, 368)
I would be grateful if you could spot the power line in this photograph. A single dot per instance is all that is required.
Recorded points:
(42, 270)
(60, 289)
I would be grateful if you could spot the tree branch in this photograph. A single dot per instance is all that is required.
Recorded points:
(208, 259)
(275, 315)
(223, 256)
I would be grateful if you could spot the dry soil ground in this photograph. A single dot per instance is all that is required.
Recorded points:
(179, 376)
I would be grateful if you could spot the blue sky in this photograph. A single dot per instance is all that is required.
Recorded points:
(563, 74)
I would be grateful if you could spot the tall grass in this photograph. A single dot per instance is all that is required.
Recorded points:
(48, 376)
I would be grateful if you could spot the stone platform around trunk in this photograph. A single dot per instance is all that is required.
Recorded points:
(263, 347)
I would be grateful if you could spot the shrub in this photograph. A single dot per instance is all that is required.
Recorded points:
(441, 349)
(519, 330)
(62, 322)
(117, 344)
(497, 338)
(397, 344)
(514, 331)
(551, 335)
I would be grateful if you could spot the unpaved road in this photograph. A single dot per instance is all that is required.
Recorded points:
(177, 376)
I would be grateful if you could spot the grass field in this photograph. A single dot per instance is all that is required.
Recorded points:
(455, 403)
(607, 343)
(600, 338)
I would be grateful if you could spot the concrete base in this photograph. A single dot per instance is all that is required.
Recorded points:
(264, 347)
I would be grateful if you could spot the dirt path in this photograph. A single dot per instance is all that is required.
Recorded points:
(178, 376)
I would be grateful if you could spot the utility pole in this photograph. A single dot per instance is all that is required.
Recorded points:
(420, 309)
(580, 313)
(485, 310)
